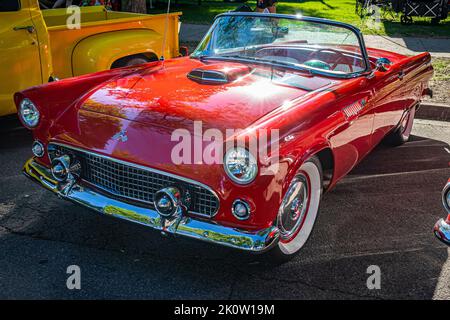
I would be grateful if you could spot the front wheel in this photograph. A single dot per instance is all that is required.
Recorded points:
(298, 211)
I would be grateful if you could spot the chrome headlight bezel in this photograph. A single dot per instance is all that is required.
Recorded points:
(246, 159)
(29, 113)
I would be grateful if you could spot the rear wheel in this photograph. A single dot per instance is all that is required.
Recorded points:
(298, 211)
(403, 133)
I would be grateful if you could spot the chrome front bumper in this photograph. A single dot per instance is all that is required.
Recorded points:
(257, 242)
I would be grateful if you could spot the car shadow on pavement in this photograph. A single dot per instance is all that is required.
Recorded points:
(381, 214)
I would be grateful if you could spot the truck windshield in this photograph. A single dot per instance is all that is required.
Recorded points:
(324, 47)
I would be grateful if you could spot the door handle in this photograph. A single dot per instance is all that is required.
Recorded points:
(401, 75)
(30, 29)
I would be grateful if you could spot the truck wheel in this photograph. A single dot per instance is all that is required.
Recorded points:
(403, 133)
(298, 212)
(130, 61)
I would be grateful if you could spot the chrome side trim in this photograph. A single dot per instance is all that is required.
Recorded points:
(144, 168)
(257, 241)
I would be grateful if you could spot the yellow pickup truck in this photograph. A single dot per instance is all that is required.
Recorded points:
(37, 45)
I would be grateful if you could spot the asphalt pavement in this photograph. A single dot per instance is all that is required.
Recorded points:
(382, 214)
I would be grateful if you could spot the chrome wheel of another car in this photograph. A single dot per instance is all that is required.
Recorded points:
(298, 211)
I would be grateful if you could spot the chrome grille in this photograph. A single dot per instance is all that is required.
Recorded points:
(139, 184)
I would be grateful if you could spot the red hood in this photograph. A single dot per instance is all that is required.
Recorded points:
(150, 105)
(168, 98)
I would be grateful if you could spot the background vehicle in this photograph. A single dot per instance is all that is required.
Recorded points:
(106, 140)
(442, 227)
(36, 45)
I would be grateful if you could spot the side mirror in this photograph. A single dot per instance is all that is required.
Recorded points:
(383, 64)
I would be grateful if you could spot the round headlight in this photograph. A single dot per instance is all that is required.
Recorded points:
(29, 113)
(240, 165)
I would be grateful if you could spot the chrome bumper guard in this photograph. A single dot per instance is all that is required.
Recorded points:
(258, 242)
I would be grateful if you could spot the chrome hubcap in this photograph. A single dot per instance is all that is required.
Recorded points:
(293, 208)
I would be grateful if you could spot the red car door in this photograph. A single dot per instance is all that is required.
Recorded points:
(352, 140)
(389, 98)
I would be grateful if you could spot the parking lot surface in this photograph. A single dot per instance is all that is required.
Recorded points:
(382, 214)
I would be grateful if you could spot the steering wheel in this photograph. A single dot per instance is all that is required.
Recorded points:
(340, 57)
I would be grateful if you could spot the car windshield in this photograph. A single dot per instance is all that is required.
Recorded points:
(303, 43)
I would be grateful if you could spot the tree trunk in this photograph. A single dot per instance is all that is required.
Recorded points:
(137, 6)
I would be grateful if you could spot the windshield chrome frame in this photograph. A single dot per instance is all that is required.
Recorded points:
(355, 30)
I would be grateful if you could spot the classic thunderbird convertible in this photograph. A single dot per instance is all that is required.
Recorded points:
(306, 89)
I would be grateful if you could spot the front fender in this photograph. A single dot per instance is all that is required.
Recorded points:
(301, 156)
(99, 52)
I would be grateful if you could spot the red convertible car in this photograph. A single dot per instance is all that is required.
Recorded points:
(131, 143)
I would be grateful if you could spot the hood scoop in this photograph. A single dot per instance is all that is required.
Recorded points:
(219, 73)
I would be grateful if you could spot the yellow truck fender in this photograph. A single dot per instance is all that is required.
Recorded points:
(99, 52)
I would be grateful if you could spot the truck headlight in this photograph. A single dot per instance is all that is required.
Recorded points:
(240, 165)
(29, 113)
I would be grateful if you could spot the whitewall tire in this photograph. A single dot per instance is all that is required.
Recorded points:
(299, 209)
